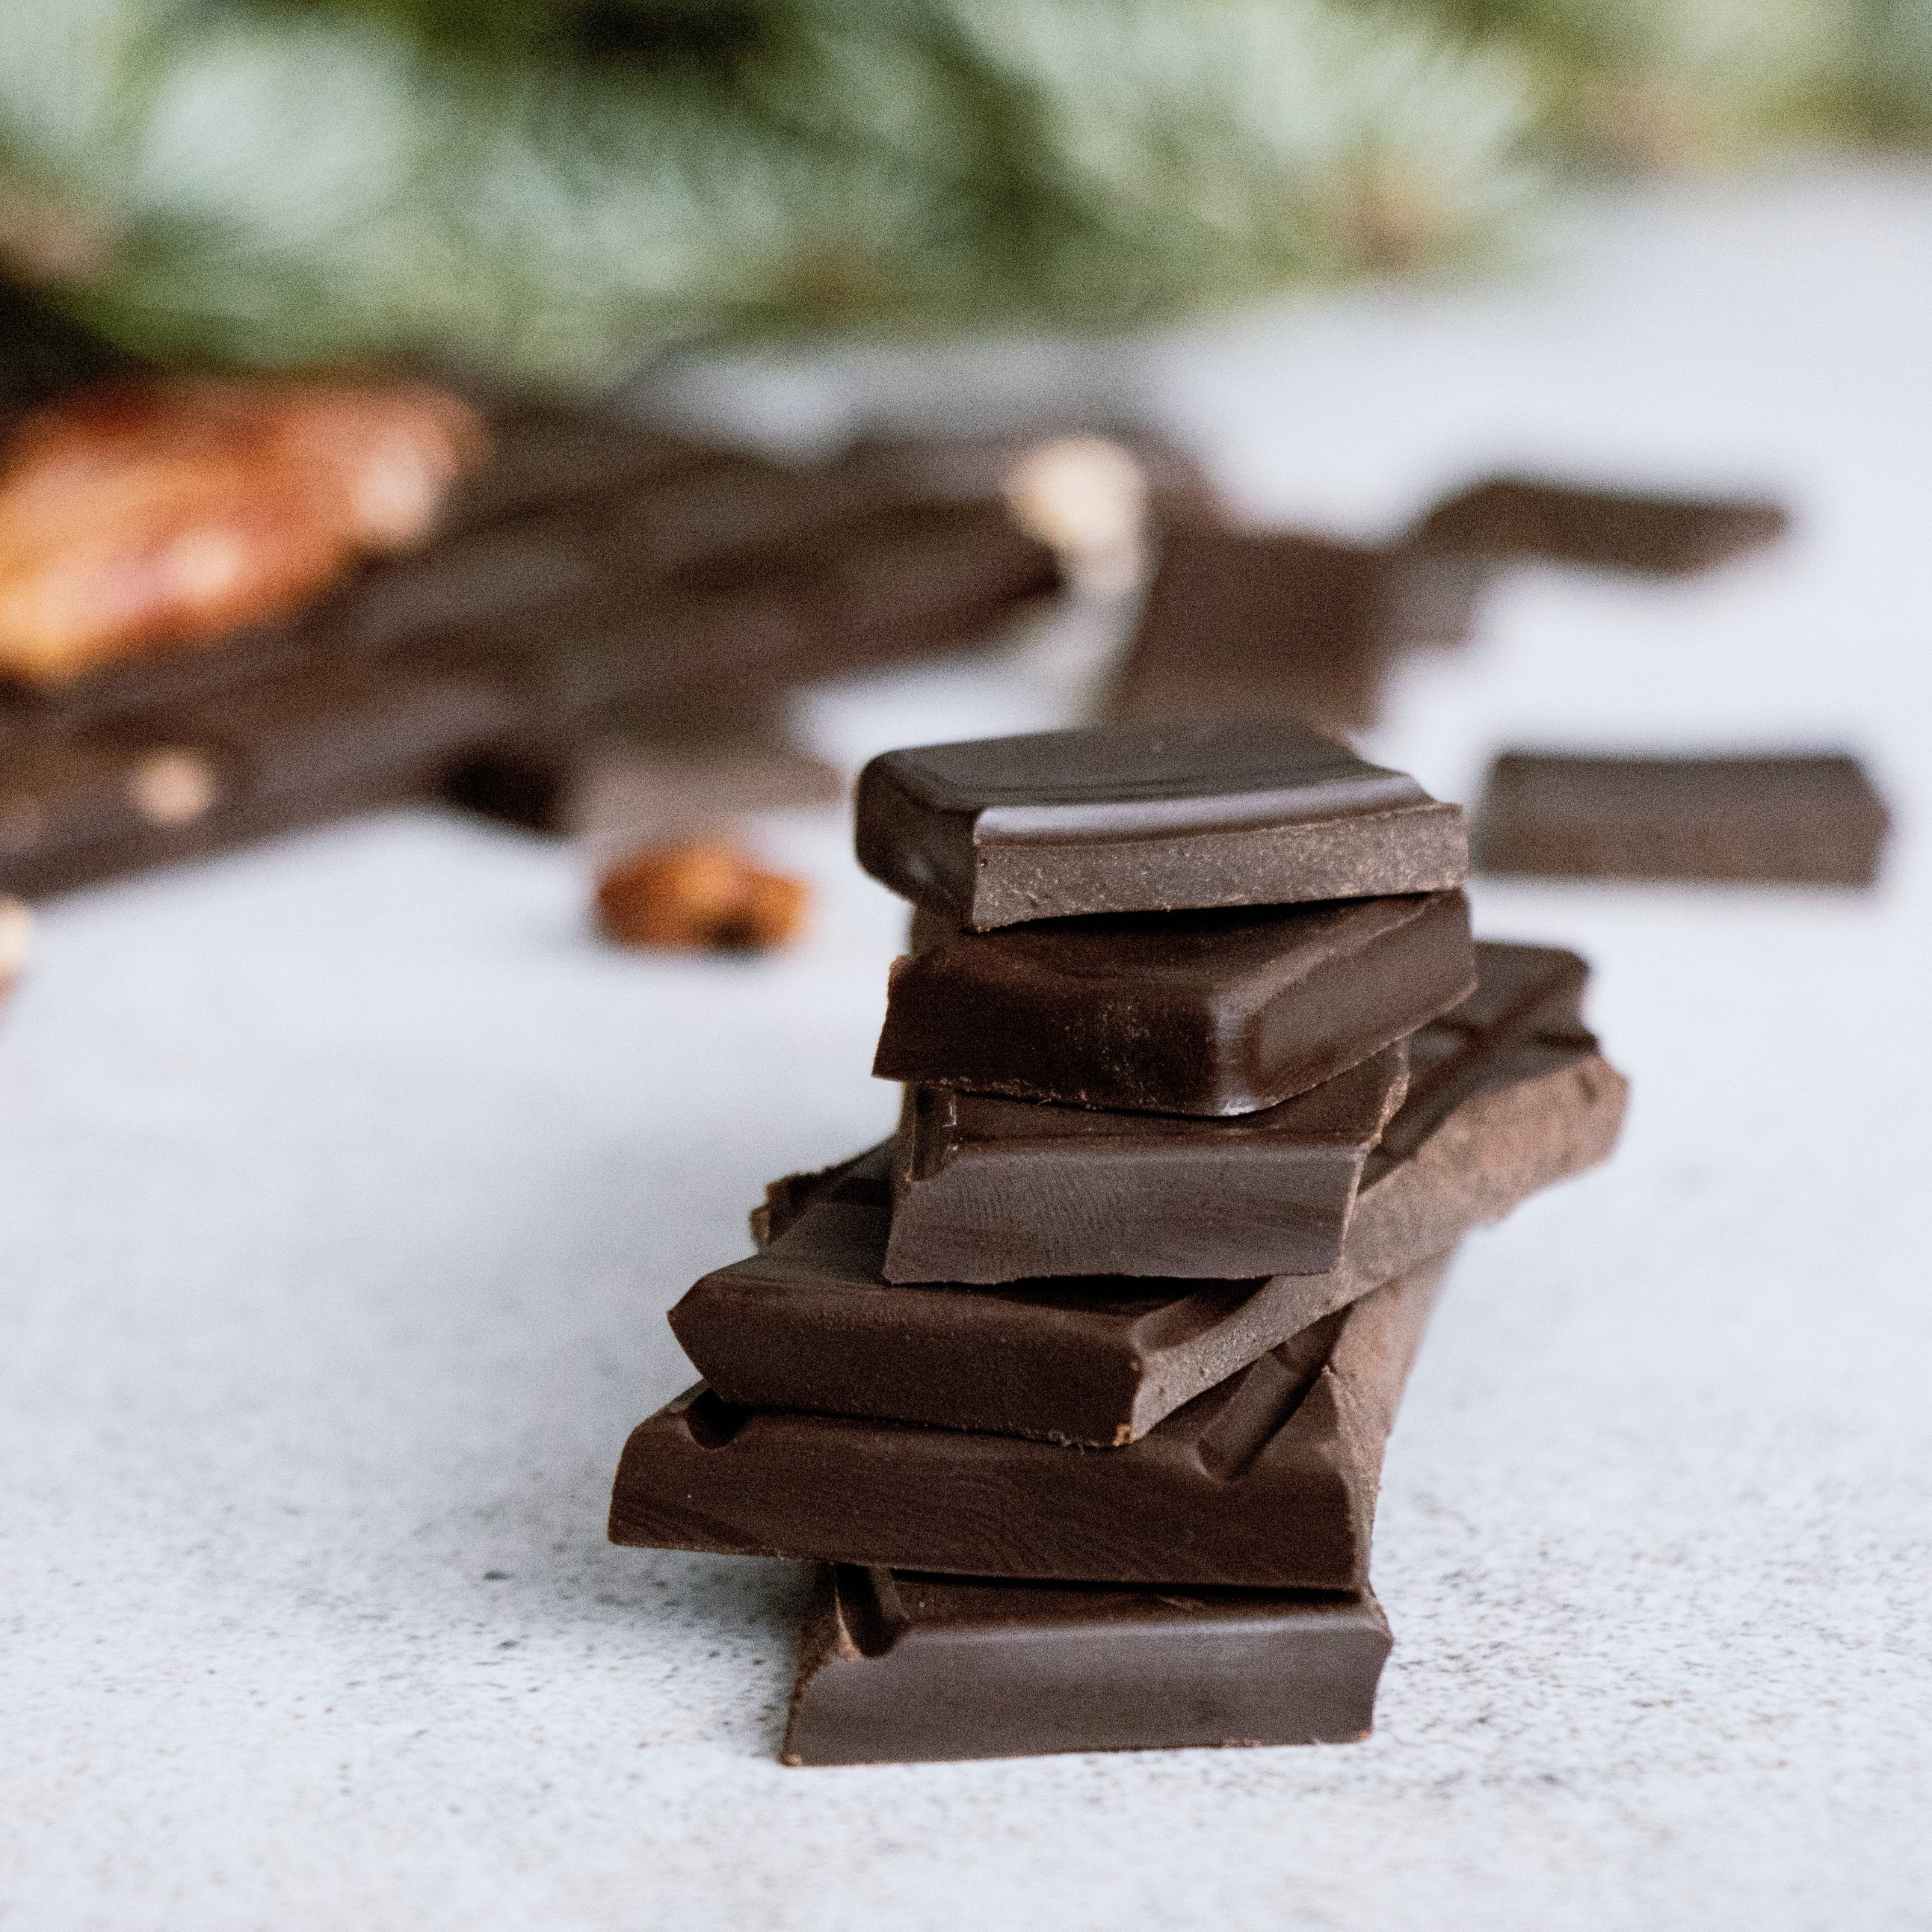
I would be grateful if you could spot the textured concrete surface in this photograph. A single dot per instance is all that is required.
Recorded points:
(342, 1185)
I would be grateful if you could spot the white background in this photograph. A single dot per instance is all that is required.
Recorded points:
(343, 1185)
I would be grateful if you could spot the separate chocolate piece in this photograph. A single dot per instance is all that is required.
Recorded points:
(1268, 1480)
(1671, 536)
(1198, 1012)
(1287, 624)
(810, 1323)
(1796, 820)
(1126, 818)
(991, 1190)
(897, 1667)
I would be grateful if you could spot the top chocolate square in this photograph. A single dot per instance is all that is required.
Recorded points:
(1149, 817)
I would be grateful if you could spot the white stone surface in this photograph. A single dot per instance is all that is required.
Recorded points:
(342, 1185)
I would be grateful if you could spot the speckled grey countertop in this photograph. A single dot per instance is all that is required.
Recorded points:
(343, 1185)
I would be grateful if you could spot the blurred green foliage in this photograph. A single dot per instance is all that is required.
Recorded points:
(549, 190)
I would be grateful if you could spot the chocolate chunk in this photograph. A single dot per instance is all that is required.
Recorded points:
(810, 1323)
(1267, 1481)
(1126, 818)
(1199, 1012)
(1801, 821)
(990, 1190)
(1286, 623)
(898, 1667)
(1673, 536)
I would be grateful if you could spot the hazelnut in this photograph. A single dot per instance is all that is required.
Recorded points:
(699, 893)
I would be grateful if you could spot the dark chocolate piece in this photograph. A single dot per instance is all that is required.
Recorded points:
(1267, 1481)
(1198, 1012)
(1493, 1114)
(1126, 818)
(985, 1189)
(1528, 517)
(1287, 624)
(898, 1667)
(1800, 821)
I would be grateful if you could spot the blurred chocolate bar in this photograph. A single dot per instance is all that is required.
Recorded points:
(1285, 622)
(1798, 820)
(593, 568)
(1515, 516)
(1289, 621)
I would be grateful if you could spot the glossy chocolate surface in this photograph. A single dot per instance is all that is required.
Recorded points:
(896, 1666)
(1798, 820)
(985, 1189)
(1217, 1013)
(1130, 817)
(1268, 1480)
(1511, 1096)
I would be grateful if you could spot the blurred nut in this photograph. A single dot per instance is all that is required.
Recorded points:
(699, 893)
(173, 787)
(138, 515)
(16, 942)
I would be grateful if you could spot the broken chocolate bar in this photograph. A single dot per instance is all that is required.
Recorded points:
(1268, 1480)
(985, 1189)
(1217, 1012)
(1510, 1096)
(501, 646)
(1801, 821)
(1527, 517)
(1127, 818)
(283, 752)
(1286, 624)
(897, 1667)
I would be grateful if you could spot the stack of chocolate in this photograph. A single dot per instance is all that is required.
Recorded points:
(1080, 1384)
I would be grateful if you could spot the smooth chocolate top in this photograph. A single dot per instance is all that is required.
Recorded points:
(1205, 1013)
(1148, 817)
